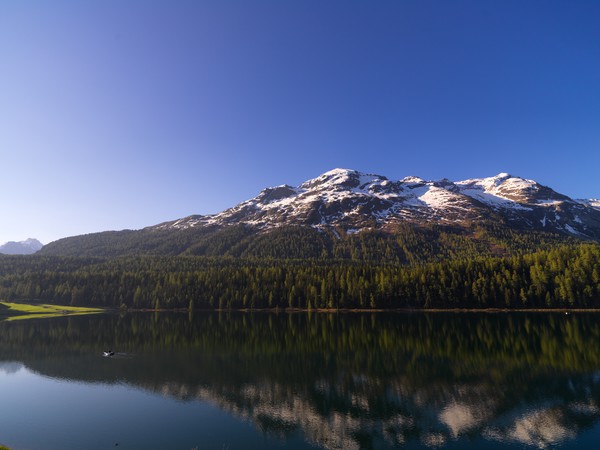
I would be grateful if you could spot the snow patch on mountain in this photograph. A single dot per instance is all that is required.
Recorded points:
(591, 203)
(500, 192)
(438, 198)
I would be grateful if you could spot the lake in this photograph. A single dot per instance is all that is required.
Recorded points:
(301, 381)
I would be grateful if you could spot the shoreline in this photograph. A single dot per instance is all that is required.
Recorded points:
(21, 310)
(380, 310)
(45, 310)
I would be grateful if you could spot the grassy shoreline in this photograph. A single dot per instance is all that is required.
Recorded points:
(19, 311)
(23, 310)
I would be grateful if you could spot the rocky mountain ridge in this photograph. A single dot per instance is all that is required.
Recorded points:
(351, 201)
(346, 214)
(26, 247)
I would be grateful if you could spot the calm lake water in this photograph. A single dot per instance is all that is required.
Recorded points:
(301, 381)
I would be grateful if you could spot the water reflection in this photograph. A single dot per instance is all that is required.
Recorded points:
(344, 381)
(10, 367)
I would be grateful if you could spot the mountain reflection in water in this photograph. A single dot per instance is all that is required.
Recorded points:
(344, 380)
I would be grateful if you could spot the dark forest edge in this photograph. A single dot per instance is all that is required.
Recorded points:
(566, 276)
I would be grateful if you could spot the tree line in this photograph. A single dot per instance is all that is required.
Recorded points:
(561, 277)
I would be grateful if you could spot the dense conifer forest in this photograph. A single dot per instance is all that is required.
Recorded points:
(400, 243)
(432, 268)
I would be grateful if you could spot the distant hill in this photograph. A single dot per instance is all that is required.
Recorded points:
(353, 215)
(26, 247)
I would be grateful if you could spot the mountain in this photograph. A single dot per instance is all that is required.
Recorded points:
(26, 247)
(356, 201)
(340, 207)
(592, 203)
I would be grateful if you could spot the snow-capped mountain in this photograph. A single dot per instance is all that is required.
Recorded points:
(592, 203)
(351, 201)
(26, 247)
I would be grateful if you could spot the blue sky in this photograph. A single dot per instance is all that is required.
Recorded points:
(123, 114)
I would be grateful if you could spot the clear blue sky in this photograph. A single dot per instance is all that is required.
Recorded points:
(122, 114)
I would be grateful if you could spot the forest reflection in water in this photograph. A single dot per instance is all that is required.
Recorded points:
(345, 380)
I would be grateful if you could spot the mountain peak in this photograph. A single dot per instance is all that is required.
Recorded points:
(329, 177)
(338, 171)
(346, 199)
(411, 179)
(345, 202)
(25, 247)
(357, 200)
(341, 179)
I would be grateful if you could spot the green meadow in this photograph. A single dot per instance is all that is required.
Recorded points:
(18, 311)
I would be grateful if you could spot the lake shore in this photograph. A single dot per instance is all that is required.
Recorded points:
(380, 310)
(18, 311)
